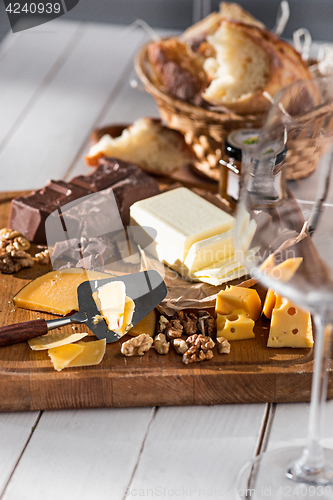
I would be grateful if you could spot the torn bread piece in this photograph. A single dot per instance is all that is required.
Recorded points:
(148, 144)
(249, 61)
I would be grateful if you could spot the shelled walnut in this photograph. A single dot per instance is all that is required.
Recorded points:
(206, 323)
(12, 241)
(199, 348)
(160, 343)
(13, 252)
(43, 257)
(172, 329)
(223, 346)
(180, 346)
(190, 323)
(12, 262)
(137, 346)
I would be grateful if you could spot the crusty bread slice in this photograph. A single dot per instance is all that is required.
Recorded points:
(249, 60)
(148, 144)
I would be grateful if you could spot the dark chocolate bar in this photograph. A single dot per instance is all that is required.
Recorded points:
(28, 213)
(129, 183)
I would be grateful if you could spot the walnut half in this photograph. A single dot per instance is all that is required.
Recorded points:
(199, 348)
(137, 346)
(160, 343)
(223, 346)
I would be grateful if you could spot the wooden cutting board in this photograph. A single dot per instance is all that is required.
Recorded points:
(251, 373)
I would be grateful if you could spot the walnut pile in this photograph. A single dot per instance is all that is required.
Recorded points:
(199, 348)
(189, 324)
(13, 252)
(199, 327)
(137, 346)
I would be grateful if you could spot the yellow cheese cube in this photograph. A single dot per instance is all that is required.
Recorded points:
(290, 325)
(235, 326)
(237, 297)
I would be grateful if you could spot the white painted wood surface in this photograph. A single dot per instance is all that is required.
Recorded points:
(57, 83)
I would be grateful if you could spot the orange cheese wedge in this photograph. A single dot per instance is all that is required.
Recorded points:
(55, 292)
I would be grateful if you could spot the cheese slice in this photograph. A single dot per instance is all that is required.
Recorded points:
(181, 218)
(290, 325)
(127, 317)
(237, 297)
(235, 326)
(236, 273)
(204, 253)
(111, 303)
(55, 292)
(54, 339)
(62, 356)
(269, 303)
(79, 354)
(92, 354)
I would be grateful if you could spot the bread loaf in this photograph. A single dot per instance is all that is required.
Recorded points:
(228, 60)
(249, 61)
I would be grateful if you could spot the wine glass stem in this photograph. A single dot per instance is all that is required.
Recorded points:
(311, 465)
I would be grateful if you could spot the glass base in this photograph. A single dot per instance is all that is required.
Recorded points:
(269, 477)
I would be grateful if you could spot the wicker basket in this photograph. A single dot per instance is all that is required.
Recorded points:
(205, 130)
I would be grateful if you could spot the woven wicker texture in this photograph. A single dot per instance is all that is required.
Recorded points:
(205, 130)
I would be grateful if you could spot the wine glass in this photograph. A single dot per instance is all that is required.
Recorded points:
(272, 226)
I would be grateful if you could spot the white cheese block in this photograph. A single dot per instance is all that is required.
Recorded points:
(206, 252)
(181, 219)
(111, 297)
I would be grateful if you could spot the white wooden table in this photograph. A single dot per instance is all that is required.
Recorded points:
(58, 82)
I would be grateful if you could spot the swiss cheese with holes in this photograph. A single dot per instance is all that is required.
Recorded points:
(235, 326)
(290, 325)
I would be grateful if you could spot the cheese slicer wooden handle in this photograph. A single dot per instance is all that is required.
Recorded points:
(19, 332)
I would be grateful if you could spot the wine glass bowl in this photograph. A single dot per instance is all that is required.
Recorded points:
(272, 226)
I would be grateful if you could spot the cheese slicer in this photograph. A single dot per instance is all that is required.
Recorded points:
(147, 289)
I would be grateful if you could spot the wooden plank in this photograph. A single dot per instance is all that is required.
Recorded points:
(250, 373)
(25, 70)
(15, 431)
(80, 455)
(294, 433)
(128, 105)
(125, 105)
(196, 452)
(61, 119)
